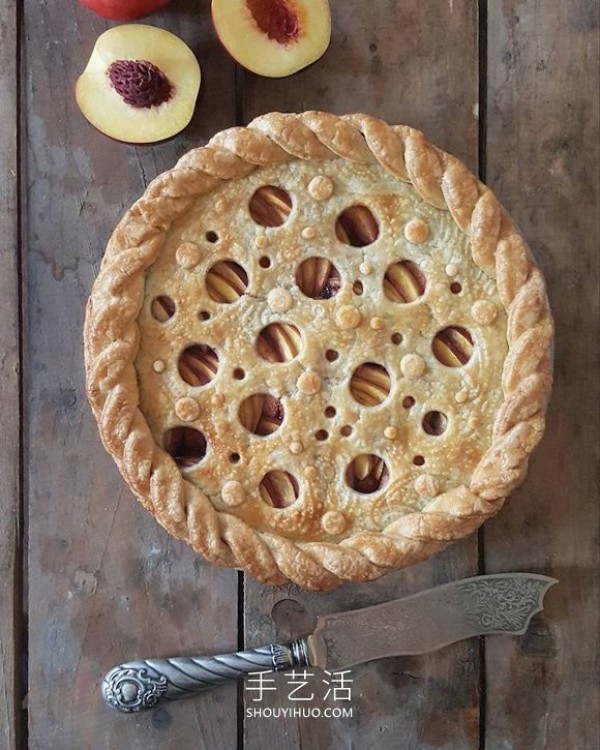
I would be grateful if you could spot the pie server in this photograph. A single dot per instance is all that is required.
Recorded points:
(482, 605)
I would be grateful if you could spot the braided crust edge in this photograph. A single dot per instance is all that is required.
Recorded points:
(111, 342)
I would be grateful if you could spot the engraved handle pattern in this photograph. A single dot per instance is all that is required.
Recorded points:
(502, 603)
(138, 685)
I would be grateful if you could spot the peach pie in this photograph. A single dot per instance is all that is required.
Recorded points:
(319, 349)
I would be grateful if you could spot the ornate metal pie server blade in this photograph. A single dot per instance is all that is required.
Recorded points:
(429, 620)
(483, 605)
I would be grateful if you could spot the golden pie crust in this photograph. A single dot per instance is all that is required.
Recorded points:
(326, 422)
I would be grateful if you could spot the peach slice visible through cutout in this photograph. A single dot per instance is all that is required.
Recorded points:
(367, 473)
(273, 38)
(279, 489)
(261, 413)
(370, 384)
(453, 346)
(356, 226)
(318, 278)
(270, 206)
(404, 282)
(279, 342)
(140, 84)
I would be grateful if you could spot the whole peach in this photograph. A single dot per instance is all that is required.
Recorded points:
(124, 10)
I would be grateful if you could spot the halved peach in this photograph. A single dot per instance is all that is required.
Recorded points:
(140, 84)
(273, 38)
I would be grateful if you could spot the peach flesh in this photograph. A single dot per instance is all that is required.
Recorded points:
(279, 489)
(261, 413)
(404, 282)
(270, 206)
(367, 473)
(279, 342)
(453, 346)
(186, 445)
(318, 278)
(357, 226)
(370, 384)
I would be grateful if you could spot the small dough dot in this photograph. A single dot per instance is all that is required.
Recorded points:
(261, 242)
(416, 231)
(320, 188)
(296, 448)
(451, 269)
(460, 397)
(309, 383)
(220, 206)
(377, 323)
(347, 317)
(158, 365)
(309, 233)
(333, 522)
(279, 300)
(391, 432)
(218, 399)
(187, 409)
(366, 268)
(310, 472)
(474, 423)
(427, 485)
(188, 255)
(484, 312)
(412, 365)
(233, 493)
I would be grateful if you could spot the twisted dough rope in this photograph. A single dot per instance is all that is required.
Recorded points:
(112, 334)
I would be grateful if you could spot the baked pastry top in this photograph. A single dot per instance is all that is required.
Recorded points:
(319, 349)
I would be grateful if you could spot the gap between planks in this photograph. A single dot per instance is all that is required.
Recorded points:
(21, 571)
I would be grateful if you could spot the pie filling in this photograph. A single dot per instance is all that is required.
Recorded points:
(334, 366)
(279, 342)
(261, 414)
(370, 384)
(226, 281)
(318, 278)
(367, 473)
(198, 364)
(357, 226)
(404, 282)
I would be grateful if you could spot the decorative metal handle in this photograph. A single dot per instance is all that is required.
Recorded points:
(139, 685)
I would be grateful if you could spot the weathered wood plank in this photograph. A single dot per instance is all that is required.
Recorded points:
(542, 158)
(9, 377)
(393, 61)
(106, 582)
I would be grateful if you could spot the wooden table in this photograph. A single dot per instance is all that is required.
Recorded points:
(87, 579)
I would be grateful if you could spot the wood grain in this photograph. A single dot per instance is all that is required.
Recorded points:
(392, 61)
(542, 158)
(413, 62)
(106, 583)
(9, 379)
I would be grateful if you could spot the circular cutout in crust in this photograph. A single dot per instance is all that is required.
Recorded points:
(494, 400)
